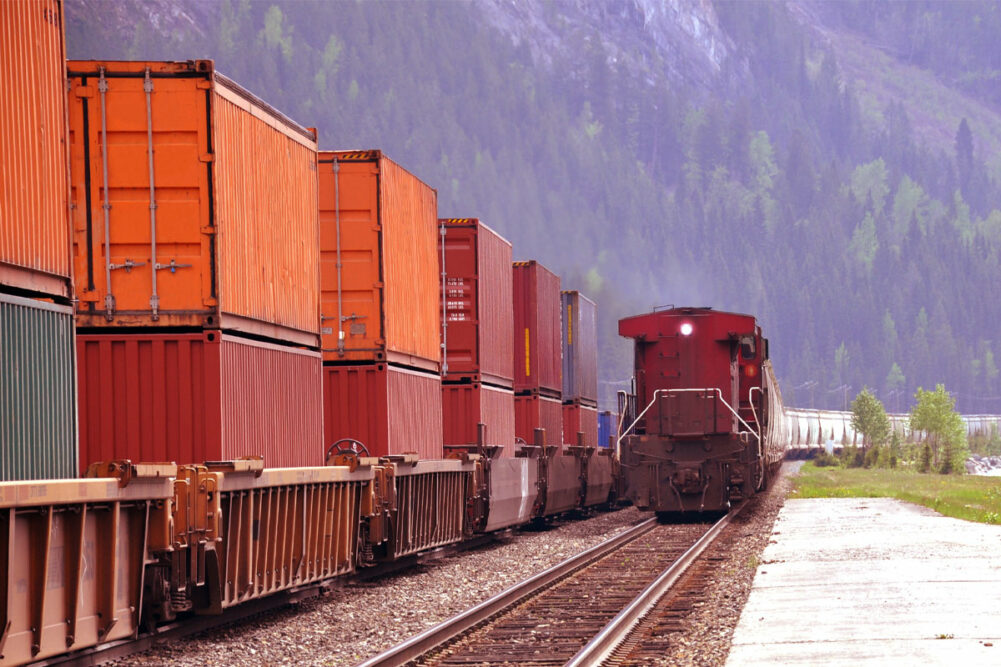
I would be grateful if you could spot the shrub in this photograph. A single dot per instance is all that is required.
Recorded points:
(852, 457)
(871, 457)
(825, 460)
(924, 463)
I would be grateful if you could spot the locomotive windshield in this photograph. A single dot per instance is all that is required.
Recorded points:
(747, 347)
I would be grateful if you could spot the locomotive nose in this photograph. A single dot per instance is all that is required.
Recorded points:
(688, 480)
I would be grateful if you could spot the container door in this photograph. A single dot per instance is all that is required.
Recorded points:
(355, 186)
(140, 160)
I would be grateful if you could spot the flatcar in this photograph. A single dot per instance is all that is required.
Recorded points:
(706, 428)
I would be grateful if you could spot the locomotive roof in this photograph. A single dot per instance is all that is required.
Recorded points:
(632, 326)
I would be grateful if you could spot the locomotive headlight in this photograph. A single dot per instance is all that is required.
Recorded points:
(686, 329)
(750, 370)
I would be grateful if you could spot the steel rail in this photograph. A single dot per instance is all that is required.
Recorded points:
(416, 646)
(603, 645)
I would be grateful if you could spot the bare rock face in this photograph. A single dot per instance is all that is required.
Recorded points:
(984, 465)
(677, 40)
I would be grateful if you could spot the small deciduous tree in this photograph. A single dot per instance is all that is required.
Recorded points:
(934, 413)
(869, 418)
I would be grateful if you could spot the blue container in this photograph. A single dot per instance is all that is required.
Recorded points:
(608, 423)
(580, 348)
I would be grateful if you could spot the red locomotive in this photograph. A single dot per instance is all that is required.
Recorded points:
(702, 430)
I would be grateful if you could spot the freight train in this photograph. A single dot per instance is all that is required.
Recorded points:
(705, 426)
(183, 270)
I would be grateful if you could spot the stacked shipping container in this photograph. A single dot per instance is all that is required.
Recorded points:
(38, 433)
(580, 367)
(537, 363)
(379, 305)
(193, 397)
(195, 236)
(476, 325)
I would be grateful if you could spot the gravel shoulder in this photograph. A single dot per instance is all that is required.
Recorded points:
(362, 619)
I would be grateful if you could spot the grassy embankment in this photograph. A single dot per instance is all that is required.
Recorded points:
(967, 497)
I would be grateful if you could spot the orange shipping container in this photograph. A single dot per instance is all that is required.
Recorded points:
(34, 221)
(194, 203)
(379, 264)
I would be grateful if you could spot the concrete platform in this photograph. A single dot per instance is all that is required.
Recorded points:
(873, 581)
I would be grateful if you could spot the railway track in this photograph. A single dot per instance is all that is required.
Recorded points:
(577, 612)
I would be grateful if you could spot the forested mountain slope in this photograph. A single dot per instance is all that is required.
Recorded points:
(806, 162)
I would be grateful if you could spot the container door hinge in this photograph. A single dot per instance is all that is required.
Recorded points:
(208, 229)
(206, 157)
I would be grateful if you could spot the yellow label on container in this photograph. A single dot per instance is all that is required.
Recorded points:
(528, 366)
(569, 324)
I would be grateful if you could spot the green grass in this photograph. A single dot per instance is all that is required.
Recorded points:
(961, 496)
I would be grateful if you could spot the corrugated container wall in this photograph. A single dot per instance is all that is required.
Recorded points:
(537, 334)
(390, 410)
(478, 303)
(212, 218)
(608, 427)
(580, 418)
(580, 347)
(37, 390)
(385, 221)
(190, 398)
(463, 406)
(532, 412)
(34, 220)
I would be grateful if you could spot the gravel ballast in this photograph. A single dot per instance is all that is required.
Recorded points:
(361, 619)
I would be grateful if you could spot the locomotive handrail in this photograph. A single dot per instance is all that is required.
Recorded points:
(719, 393)
(754, 411)
(640, 415)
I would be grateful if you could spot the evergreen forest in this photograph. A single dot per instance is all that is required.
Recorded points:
(839, 176)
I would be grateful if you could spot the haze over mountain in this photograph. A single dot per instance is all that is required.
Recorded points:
(833, 168)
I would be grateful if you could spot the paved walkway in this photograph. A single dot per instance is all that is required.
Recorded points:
(855, 581)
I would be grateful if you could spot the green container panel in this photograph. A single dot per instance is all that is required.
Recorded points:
(38, 432)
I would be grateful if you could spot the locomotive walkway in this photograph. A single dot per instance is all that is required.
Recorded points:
(855, 581)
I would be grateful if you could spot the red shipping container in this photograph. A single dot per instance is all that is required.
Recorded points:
(387, 290)
(391, 410)
(577, 417)
(477, 294)
(197, 397)
(532, 412)
(538, 365)
(463, 406)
